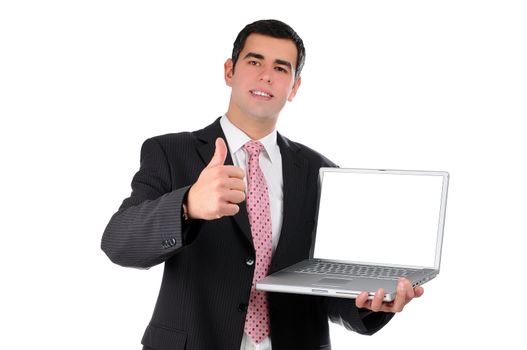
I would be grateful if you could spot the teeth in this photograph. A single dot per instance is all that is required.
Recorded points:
(260, 93)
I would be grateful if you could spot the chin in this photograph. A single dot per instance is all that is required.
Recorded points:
(264, 117)
(263, 114)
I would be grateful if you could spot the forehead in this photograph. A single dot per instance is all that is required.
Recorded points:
(271, 48)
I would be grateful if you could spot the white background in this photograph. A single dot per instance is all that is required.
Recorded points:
(387, 84)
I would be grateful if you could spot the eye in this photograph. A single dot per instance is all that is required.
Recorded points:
(254, 63)
(281, 70)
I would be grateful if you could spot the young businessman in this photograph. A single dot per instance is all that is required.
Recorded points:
(228, 204)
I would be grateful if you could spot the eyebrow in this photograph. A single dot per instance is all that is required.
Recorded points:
(277, 61)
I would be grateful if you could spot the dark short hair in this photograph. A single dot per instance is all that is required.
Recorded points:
(275, 29)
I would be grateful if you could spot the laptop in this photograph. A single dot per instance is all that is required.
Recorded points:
(373, 227)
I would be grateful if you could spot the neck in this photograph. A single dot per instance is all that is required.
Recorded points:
(254, 127)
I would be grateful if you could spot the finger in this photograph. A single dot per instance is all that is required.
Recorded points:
(419, 291)
(400, 298)
(229, 209)
(233, 196)
(233, 171)
(220, 154)
(408, 288)
(235, 184)
(362, 300)
(376, 303)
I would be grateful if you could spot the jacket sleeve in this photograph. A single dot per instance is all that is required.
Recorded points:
(345, 312)
(147, 228)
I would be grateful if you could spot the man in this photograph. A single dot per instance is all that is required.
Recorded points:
(222, 215)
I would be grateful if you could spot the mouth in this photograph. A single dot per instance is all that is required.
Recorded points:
(261, 94)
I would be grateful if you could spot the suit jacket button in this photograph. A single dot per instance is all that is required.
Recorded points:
(242, 307)
(249, 261)
(172, 242)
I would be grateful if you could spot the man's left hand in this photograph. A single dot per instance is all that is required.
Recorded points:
(405, 294)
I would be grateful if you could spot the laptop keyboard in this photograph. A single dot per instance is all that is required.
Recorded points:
(355, 270)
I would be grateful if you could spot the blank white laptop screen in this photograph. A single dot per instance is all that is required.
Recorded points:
(379, 218)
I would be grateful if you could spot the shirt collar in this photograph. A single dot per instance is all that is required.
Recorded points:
(236, 138)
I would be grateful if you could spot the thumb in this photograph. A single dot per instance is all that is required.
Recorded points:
(219, 155)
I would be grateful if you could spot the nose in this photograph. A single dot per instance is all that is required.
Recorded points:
(265, 76)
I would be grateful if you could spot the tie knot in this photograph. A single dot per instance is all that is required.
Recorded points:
(253, 147)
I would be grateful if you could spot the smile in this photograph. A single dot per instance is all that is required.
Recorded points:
(261, 93)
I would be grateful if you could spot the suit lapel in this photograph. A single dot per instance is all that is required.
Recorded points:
(206, 150)
(294, 170)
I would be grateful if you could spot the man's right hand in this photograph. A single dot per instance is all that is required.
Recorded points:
(218, 190)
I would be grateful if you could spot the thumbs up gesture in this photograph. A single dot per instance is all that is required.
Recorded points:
(218, 189)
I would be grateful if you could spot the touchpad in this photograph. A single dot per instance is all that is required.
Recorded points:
(332, 282)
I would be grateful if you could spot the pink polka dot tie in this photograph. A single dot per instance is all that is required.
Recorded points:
(257, 198)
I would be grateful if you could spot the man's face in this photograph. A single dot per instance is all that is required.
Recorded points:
(264, 77)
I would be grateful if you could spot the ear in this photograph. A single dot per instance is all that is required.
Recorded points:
(228, 71)
(296, 85)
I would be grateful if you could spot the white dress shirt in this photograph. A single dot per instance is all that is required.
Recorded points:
(271, 164)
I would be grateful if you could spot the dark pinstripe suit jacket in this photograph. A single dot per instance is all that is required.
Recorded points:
(207, 276)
